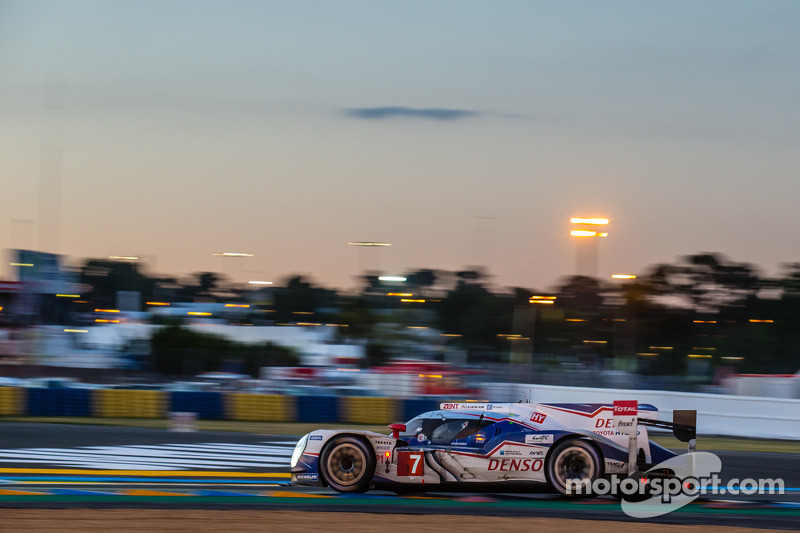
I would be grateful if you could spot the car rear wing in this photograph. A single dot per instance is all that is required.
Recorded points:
(683, 426)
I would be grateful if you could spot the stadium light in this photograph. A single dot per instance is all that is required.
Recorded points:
(233, 254)
(593, 221)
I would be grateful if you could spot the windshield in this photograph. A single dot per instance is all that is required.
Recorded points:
(442, 431)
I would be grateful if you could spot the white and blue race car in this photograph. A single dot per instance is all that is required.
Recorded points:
(491, 446)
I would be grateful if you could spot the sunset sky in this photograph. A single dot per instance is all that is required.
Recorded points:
(464, 133)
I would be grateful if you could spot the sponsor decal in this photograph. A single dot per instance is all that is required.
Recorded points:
(516, 465)
(607, 423)
(421, 437)
(625, 416)
(536, 453)
(510, 452)
(315, 437)
(538, 418)
(383, 442)
(615, 464)
(547, 438)
(626, 407)
(458, 443)
(463, 406)
(611, 432)
(306, 477)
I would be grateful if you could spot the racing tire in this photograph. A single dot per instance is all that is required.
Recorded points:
(347, 465)
(573, 462)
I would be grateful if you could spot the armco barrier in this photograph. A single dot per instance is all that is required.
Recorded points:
(368, 410)
(123, 403)
(317, 409)
(717, 414)
(208, 405)
(12, 401)
(259, 407)
(59, 402)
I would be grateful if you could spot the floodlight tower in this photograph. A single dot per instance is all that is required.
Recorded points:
(587, 232)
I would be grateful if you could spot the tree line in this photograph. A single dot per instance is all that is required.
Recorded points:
(703, 308)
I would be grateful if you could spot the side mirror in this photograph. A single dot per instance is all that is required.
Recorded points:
(397, 429)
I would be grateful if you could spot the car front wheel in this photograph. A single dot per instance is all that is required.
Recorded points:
(347, 465)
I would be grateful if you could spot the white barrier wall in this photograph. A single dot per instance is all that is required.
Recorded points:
(717, 414)
(771, 386)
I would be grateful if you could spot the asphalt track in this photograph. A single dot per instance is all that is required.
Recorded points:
(70, 466)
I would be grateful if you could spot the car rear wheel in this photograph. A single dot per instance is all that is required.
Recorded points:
(572, 466)
(347, 465)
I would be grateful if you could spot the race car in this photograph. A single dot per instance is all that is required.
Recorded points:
(491, 446)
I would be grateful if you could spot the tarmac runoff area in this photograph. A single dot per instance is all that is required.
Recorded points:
(71, 520)
(99, 477)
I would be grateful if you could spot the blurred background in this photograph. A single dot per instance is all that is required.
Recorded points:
(400, 199)
(703, 323)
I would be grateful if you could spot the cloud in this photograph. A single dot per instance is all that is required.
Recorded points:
(380, 113)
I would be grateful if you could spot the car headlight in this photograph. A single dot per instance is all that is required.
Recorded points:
(299, 448)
